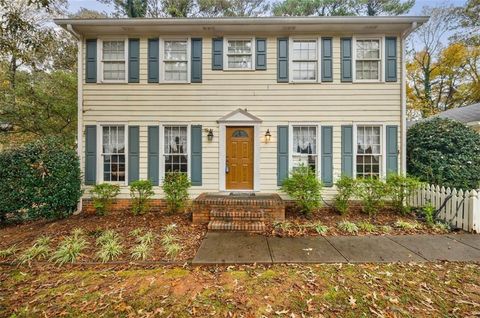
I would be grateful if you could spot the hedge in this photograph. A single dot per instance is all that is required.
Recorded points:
(444, 152)
(41, 179)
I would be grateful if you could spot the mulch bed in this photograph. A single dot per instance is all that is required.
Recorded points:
(301, 226)
(123, 222)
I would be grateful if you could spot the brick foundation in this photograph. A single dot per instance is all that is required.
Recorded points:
(156, 205)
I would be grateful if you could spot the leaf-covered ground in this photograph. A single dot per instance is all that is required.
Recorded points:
(388, 290)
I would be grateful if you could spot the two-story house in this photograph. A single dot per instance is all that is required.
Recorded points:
(237, 103)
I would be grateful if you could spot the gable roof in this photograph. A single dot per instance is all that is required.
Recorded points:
(239, 115)
(233, 25)
(466, 114)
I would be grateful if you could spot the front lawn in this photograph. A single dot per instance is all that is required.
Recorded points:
(388, 290)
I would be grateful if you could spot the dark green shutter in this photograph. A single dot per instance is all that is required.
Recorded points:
(327, 60)
(217, 54)
(90, 155)
(391, 59)
(392, 149)
(282, 154)
(196, 153)
(346, 59)
(196, 72)
(91, 61)
(153, 154)
(153, 60)
(347, 150)
(282, 60)
(327, 156)
(133, 60)
(261, 54)
(133, 153)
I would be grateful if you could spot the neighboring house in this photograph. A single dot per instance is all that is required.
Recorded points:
(237, 103)
(468, 115)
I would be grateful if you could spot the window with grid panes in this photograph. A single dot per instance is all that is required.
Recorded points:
(304, 60)
(239, 54)
(175, 60)
(304, 147)
(113, 60)
(369, 151)
(113, 152)
(175, 149)
(367, 63)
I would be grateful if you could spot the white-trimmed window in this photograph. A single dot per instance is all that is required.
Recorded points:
(368, 59)
(369, 151)
(239, 54)
(304, 146)
(175, 60)
(175, 148)
(114, 60)
(304, 62)
(113, 153)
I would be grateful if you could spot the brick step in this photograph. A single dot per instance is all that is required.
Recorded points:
(226, 215)
(243, 226)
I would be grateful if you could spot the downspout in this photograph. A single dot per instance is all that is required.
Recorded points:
(404, 99)
(79, 104)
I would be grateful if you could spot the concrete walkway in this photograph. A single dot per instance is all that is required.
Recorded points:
(241, 248)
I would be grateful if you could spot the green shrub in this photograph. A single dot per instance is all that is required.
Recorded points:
(400, 188)
(304, 187)
(103, 195)
(346, 189)
(348, 227)
(444, 152)
(70, 249)
(141, 193)
(39, 180)
(371, 192)
(175, 186)
(429, 214)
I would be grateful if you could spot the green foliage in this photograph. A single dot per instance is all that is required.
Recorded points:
(405, 225)
(429, 214)
(386, 228)
(400, 188)
(304, 187)
(144, 246)
(346, 189)
(366, 226)
(39, 250)
(141, 193)
(169, 241)
(70, 248)
(445, 153)
(172, 250)
(110, 246)
(371, 191)
(103, 195)
(320, 228)
(9, 251)
(442, 226)
(39, 180)
(348, 227)
(175, 186)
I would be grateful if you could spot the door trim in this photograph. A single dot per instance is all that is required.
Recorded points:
(223, 152)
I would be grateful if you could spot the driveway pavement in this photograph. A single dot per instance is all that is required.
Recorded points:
(244, 248)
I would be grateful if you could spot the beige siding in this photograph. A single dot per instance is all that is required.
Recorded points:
(222, 92)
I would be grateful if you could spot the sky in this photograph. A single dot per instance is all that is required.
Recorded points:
(75, 5)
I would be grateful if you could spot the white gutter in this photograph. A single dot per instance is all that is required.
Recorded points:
(403, 98)
(79, 104)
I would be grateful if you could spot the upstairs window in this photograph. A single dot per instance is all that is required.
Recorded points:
(368, 60)
(113, 59)
(369, 153)
(176, 148)
(304, 60)
(113, 153)
(304, 147)
(175, 60)
(239, 54)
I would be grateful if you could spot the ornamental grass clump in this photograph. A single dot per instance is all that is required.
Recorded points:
(103, 196)
(143, 249)
(346, 189)
(304, 187)
(320, 228)
(141, 193)
(348, 227)
(175, 186)
(399, 189)
(405, 225)
(169, 242)
(70, 249)
(110, 246)
(9, 251)
(366, 226)
(39, 250)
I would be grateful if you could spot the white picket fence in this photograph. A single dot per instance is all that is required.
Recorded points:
(462, 210)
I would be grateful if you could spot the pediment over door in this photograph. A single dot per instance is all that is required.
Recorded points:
(239, 116)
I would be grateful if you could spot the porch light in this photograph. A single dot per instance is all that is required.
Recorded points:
(268, 136)
(210, 134)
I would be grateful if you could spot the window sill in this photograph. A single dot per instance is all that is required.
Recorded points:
(239, 70)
